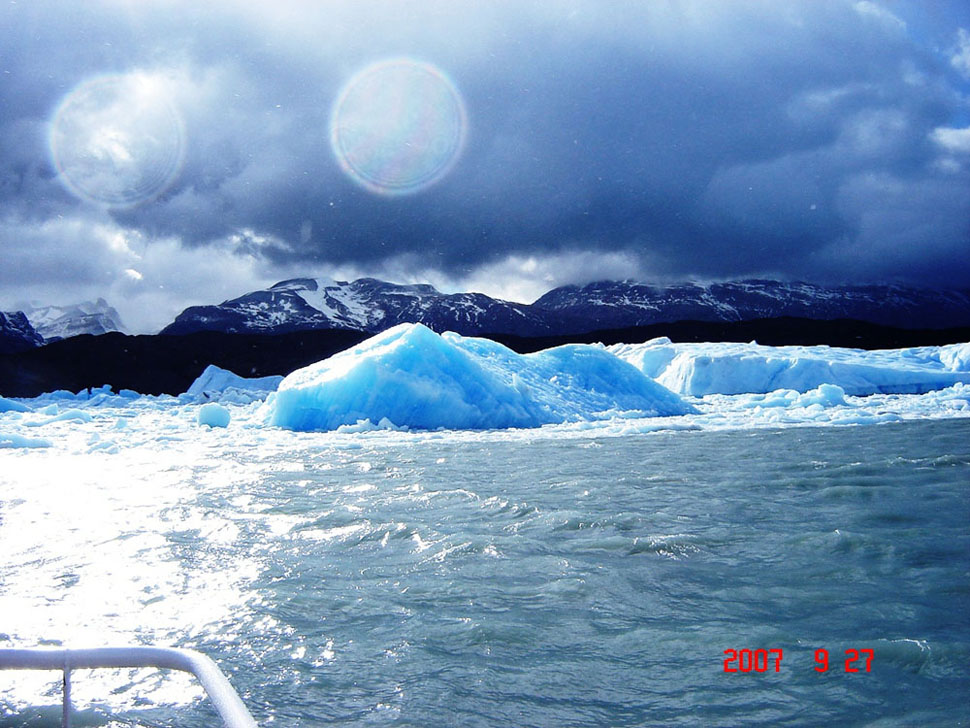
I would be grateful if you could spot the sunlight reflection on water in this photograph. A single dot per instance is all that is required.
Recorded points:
(101, 552)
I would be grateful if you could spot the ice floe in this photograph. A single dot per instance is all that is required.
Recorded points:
(11, 440)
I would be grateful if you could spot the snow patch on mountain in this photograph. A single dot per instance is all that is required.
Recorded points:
(61, 322)
(366, 304)
(371, 305)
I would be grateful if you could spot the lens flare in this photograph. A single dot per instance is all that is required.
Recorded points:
(398, 126)
(117, 140)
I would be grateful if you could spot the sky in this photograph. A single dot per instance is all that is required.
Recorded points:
(166, 154)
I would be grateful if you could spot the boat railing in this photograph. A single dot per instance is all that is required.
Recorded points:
(221, 694)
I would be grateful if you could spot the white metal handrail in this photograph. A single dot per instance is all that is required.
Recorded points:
(225, 700)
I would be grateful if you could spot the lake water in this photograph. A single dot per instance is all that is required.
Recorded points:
(496, 581)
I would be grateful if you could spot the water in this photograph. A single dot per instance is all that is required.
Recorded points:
(495, 581)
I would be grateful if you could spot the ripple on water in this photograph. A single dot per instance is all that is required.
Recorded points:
(548, 584)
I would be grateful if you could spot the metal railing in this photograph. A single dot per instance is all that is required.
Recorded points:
(225, 700)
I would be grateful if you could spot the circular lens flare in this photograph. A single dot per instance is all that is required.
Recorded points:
(398, 126)
(117, 140)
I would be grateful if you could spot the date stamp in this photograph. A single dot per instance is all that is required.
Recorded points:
(770, 660)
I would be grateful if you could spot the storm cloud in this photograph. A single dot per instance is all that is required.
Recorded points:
(821, 140)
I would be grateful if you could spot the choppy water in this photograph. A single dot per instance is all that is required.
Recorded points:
(495, 582)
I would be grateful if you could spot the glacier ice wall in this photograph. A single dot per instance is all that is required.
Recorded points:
(413, 377)
(730, 368)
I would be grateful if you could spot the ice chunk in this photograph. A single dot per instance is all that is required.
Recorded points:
(74, 415)
(213, 415)
(826, 395)
(8, 405)
(88, 394)
(728, 368)
(11, 440)
(956, 357)
(221, 384)
(368, 426)
(413, 377)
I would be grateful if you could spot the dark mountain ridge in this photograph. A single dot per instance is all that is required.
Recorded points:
(366, 304)
(628, 303)
(371, 305)
(16, 333)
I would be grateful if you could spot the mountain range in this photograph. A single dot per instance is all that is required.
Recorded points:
(38, 325)
(368, 305)
(371, 305)
(62, 322)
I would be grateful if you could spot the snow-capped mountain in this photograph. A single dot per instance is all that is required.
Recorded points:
(371, 305)
(62, 322)
(613, 304)
(16, 333)
(366, 304)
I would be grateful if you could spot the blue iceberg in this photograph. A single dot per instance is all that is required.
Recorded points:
(732, 368)
(220, 384)
(409, 376)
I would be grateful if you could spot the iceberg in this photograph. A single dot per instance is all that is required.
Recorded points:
(88, 396)
(220, 384)
(412, 377)
(730, 368)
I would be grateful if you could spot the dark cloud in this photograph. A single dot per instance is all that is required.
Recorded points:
(703, 140)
